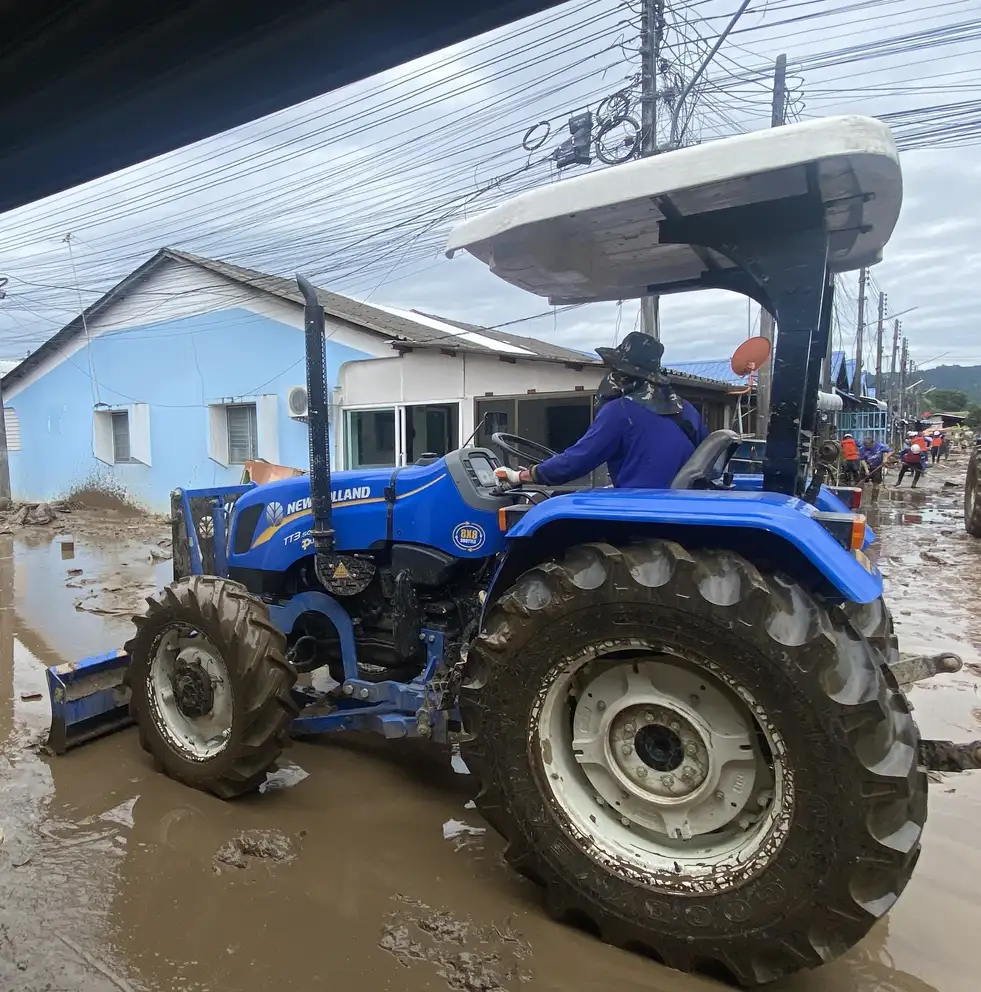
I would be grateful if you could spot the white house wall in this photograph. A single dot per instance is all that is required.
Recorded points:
(182, 341)
(430, 377)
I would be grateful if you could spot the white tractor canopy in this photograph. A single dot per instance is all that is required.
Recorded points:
(606, 235)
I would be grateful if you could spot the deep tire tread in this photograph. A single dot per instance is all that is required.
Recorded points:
(842, 656)
(237, 623)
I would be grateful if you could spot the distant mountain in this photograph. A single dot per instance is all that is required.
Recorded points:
(965, 377)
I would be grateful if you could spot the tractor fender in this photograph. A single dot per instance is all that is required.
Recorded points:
(759, 525)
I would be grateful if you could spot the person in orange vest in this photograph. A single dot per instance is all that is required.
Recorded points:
(936, 443)
(913, 460)
(851, 466)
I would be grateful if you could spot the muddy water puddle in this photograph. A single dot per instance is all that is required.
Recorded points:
(349, 869)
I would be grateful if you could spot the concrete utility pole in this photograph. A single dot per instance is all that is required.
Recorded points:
(902, 381)
(778, 116)
(651, 35)
(878, 346)
(892, 364)
(860, 332)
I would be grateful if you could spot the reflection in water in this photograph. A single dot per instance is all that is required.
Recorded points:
(56, 875)
(869, 967)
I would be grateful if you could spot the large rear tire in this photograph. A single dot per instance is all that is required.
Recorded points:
(972, 496)
(772, 810)
(210, 685)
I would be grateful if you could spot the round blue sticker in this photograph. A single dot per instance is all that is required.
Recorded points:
(469, 537)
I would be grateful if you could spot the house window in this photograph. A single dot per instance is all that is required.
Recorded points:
(243, 433)
(12, 425)
(370, 438)
(120, 437)
(430, 428)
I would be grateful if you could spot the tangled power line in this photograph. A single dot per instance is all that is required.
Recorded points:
(357, 187)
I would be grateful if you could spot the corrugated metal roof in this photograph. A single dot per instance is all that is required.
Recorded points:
(718, 369)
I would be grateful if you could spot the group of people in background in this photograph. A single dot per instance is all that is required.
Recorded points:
(865, 463)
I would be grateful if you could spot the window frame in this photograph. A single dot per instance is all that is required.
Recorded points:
(252, 429)
(120, 416)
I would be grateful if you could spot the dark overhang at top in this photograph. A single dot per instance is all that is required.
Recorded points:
(92, 86)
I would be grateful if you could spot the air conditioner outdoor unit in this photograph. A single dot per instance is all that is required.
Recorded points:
(297, 402)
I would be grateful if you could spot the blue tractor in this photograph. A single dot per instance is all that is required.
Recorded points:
(683, 707)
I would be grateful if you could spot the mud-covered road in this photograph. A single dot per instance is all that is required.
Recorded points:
(347, 871)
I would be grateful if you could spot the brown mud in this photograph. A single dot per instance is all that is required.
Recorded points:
(362, 863)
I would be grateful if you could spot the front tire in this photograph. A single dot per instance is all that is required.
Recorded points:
(210, 685)
(972, 496)
(793, 814)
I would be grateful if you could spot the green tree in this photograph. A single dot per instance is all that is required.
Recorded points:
(946, 399)
(974, 417)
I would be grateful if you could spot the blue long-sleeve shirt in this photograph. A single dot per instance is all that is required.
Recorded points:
(873, 456)
(641, 449)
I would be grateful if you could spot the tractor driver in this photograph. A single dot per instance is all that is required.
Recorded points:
(642, 430)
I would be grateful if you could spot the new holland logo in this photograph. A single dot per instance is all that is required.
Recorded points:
(469, 537)
(347, 495)
(298, 506)
(274, 513)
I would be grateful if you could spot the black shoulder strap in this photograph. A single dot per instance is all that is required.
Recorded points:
(687, 427)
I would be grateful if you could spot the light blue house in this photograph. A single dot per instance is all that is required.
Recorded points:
(190, 367)
(176, 377)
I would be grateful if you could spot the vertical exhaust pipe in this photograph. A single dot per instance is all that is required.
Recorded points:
(318, 403)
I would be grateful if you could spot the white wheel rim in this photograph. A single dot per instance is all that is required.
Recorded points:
(658, 766)
(190, 694)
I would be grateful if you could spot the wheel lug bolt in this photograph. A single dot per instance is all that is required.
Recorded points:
(624, 821)
(688, 773)
(627, 749)
(628, 728)
(667, 780)
(601, 705)
(599, 800)
(641, 772)
(674, 725)
(649, 717)
(691, 749)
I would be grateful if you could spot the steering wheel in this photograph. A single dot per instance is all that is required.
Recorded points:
(527, 452)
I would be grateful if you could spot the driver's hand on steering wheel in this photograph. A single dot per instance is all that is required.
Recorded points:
(511, 476)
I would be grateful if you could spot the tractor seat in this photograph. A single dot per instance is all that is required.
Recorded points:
(707, 465)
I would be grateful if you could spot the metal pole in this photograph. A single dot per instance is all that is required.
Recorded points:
(652, 32)
(778, 111)
(859, 333)
(878, 346)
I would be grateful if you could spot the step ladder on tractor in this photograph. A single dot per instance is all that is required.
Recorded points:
(684, 708)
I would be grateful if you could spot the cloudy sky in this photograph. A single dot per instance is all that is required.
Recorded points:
(358, 188)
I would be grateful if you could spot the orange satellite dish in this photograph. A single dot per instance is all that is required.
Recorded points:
(750, 355)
